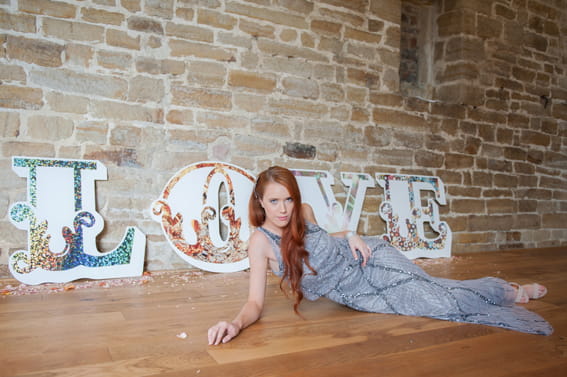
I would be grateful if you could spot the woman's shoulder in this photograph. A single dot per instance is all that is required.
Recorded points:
(258, 237)
(307, 213)
(259, 244)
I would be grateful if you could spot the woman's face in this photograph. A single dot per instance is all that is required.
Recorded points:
(278, 205)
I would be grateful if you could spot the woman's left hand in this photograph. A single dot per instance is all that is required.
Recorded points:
(357, 244)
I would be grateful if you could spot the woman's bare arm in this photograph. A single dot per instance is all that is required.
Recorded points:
(251, 311)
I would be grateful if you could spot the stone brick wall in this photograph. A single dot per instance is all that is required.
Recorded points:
(149, 86)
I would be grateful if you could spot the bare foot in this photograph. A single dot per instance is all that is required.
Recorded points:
(527, 292)
(534, 291)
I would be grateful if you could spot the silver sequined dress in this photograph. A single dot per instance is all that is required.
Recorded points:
(391, 283)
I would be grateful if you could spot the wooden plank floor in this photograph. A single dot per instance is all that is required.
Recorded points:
(131, 329)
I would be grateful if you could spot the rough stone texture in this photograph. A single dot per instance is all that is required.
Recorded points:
(150, 87)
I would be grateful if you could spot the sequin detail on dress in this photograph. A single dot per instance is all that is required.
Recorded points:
(391, 283)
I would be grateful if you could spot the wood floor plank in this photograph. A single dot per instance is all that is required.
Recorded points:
(132, 330)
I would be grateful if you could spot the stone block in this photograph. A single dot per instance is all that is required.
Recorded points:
(101, 16)
(126, 136)
(48, 8)
(467, 206)
(386, 99)
(119, 38)
(387, 10)
(460, 21)
(25, 148)
(527, 180)
(363, 78)
(92, 132)
(206, 73)
(23, 23)
(300, 87)
(64, 80)
(461, 93)
(297, 108)
(528, 222)
(301, 151)
(535, 138)
(254, 146)
(464, 191)
(12, 73)
(488, 27)
(300, 6)
(429, 159)
(259, 82)
(114, 60)
(145, 25)
(376, 136)
(208, 98)
(155, 66)
(275, 17)
(9, 124)
(513, 153)
(145, 89)
(257, 30)
(491, 222)
(79, 55)
(194, 33)
(131, 5)
(554, 220)
(117, 156)
(271, 128)
(73, 31)
(126, 112)
(458, 161)
(216, 19)
(272, 48)
(504, 11)
(161, 8)
(35, 51)
(465, 47)
(343, 17)
(360, 115)
(332, 92)
(363, 36)
(223, 121)
(394, 157)
(326, 28)
(399, 119)
(249, 102)
(505, 206)
(181, 48)
(183, 117)
(16, 97)
(40, 127)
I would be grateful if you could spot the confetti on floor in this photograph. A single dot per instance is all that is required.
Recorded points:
(182, 335)
(173, 278)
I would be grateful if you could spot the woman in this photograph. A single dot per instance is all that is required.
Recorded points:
(366, 274)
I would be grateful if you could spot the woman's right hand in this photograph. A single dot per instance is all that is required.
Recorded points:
(222, 332)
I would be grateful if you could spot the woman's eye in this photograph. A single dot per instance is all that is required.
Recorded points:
(289, 200)
(273, 201)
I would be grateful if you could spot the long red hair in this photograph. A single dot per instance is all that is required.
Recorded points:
(292, 246)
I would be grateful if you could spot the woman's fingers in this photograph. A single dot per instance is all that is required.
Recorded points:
(357, 244)
(222, 332)
(217, 333)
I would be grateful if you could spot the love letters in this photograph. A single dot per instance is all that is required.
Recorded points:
(203, 215)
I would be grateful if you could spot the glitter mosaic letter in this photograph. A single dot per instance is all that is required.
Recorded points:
(405, 217)
(203, 211)
(62, 223)
(315, 187)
